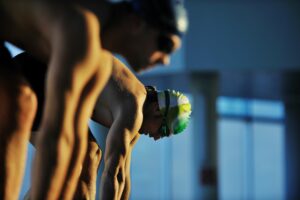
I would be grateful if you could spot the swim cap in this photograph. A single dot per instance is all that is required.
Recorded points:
(176, 110)
(168, 15)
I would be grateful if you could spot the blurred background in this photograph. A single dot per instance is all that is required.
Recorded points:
(240, 67)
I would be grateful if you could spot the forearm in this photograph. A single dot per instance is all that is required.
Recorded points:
(56, 139)
(112, 182)
(86, 188)
(50, 168)
(117, 161)
(109, 187)
(127, 188)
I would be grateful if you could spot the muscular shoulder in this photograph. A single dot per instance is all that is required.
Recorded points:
(123, 96)
(45, 21)
(127, 83)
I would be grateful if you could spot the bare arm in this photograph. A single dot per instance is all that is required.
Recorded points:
(86, 188)
(117, 149)
(127, 188)
(74, 80)
(117, 157)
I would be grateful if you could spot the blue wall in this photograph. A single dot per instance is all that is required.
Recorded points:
(243, 34)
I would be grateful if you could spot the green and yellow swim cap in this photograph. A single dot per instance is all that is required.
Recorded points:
(176, 110)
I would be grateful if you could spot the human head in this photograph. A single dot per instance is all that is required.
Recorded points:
(167, 15)
(166, 113)
(156, 28)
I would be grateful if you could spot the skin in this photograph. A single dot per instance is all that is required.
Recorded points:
(77, 74)
(121, 107)
(122, 98)
(79, 65)
(86, 187)
(20, 108)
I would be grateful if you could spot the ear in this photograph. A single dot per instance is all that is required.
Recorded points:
(136, 24)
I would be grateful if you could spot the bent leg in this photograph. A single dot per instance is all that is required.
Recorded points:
(17, 109)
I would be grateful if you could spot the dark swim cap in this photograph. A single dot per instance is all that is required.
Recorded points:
(168, 15)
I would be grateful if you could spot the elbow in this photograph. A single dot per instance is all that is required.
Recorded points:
(115, 176)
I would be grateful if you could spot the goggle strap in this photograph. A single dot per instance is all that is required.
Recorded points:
(167, 98)
(167, 95)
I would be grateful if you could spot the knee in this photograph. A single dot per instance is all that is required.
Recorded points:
(18, 105)
(26, 104)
